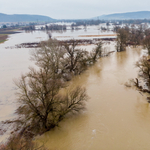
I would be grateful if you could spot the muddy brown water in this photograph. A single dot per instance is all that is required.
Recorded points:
(116, 118)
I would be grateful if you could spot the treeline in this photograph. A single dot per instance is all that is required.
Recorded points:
(88, 22)
(134, 35)
(114, 22)
(41, 105)
(46, 27)
(134, 21)
(31, 27)
(54, 27)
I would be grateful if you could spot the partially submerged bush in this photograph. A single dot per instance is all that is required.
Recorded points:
(16, 142)
(144, 68)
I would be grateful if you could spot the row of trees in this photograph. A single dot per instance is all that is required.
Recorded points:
(30, 28)
(43, 97)
(50, 27)
(134, 35)
(54, 27)
(98, 21)
(137, 36)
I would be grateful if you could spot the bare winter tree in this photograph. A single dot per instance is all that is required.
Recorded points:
(144, 65)
(41, 106)
(96, 52)
(122, 38)
(76, 57)
(50, 56)
(146, 43)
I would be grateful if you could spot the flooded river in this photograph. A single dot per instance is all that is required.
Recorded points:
(116, 117)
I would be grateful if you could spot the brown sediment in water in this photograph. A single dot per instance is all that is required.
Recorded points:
(116, 118)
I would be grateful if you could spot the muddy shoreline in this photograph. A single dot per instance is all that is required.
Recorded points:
(4, 34)
(3, 38)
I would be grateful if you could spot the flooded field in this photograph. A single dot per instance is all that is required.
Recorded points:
(116, 117)
(88, 33)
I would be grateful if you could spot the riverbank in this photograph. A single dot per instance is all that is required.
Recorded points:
(4, 33)
(3, 38)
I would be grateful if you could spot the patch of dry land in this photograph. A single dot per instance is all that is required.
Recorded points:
(3, 38)
(4, 34)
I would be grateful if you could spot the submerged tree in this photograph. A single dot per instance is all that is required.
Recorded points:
(97, 51)
(76, 57)
(146, 43)
(144, 65)
(122, 37)
(41, 105)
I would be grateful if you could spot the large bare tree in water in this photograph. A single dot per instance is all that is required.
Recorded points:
(41, 102)
(122, 37)
(76, 57)
(43, 97)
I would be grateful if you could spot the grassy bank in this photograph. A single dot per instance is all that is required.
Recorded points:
(5, 32)
(3, 38)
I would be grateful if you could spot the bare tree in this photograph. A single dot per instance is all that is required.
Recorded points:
(76, 57)
(96, 52)
(146, 43)
(40, 105)
(122, 38)
(144, 65)
(50, 56)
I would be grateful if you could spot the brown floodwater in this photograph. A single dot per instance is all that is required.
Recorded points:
(116, 118)
(15, 61)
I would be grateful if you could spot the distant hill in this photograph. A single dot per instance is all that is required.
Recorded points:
(23, 18)
(124, 16)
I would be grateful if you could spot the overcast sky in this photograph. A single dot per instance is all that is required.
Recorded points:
(72, 9)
